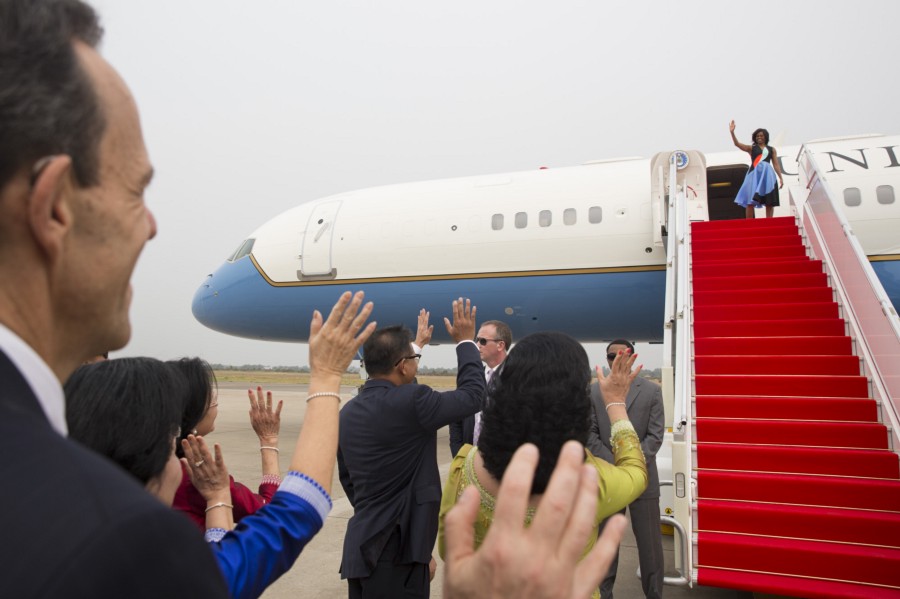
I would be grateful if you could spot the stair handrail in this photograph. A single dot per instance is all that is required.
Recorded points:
(886, 357)
(679, 338)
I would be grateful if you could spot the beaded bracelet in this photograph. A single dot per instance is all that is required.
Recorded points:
(220, 504)
(324, 394)
(615, 403)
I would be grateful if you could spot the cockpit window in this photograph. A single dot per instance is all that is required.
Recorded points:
(243, 250)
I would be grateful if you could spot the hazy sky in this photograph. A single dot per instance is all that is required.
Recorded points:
(252, 108)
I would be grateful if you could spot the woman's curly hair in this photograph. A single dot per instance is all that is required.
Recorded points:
(765, 133)
(540, 395)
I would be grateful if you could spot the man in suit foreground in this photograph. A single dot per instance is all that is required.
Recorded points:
(387, 459)
(645, 410)
(73, 169)
(494, 340)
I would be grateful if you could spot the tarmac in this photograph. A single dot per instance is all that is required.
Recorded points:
(315, 574)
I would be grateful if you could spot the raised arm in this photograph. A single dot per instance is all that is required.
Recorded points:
(744, 147)
(622, 483)
(332, 345)
(268, 542)
(436, 409)
(266, 423)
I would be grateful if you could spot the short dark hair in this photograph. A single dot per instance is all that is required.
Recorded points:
(201, 381)
(540, 395)
(765, 135)
(384, 347)
(48, 104)
(504, 333)
(128, 410)
(624, 342)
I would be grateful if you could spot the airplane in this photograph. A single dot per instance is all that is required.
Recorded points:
(575, 249)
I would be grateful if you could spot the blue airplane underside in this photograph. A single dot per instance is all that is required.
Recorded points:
(237, 300)
(592, 307)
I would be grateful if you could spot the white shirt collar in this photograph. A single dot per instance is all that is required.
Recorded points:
(40, 378)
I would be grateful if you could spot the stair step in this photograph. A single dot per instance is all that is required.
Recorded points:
(757, 241)
(755, 267)
(776, 364)
(742, 225)
(750, 283)
(700, 236)
(853, 409)
(828, 309)
(859, 435)
(764, 298)
(799, 489)
(815, 559)
(764, 253)
(836, 345)
(791, 586)
(829, 327)
(782, 385)
(800, 522)
(828, 461)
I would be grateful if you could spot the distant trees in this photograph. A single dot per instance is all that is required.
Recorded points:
(650, 373)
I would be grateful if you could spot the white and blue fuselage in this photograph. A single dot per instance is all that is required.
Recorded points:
(572, 249)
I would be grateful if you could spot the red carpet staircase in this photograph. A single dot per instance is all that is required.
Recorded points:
(798, 493)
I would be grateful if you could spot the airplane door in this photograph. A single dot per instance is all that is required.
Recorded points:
(315, 253)
(690, 183)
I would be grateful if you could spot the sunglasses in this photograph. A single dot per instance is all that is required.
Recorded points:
(483, 341)
(612, 355)
(412, 357)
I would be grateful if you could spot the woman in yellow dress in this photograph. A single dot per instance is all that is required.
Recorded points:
(541, 395)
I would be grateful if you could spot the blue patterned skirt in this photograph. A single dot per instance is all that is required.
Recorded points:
(760, 187)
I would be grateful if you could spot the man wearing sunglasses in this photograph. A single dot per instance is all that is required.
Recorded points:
(494, 340)
(645, 410)
(387, 459)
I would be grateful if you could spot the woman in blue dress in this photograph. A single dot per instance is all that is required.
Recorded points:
(759, 187)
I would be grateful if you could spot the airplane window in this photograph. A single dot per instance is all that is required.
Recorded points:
(852, 196)
(243, 250)
(885, 194)
(595, 214)
(521, 220)
(497, 222)
(545, 218)
(569, 216)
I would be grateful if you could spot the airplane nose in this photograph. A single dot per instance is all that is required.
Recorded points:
(201, 296)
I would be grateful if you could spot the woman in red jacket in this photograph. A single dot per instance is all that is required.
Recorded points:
(199, 418)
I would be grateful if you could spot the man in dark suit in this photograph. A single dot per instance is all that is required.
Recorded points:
(73, 169)
(645, 410)
(494, 340)
(387, 459)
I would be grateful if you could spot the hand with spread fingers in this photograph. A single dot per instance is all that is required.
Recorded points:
(266, 422)
(463, 325)
(424, 330)
(541, 561)
(616, 384)
(209, 476)
(333, 343)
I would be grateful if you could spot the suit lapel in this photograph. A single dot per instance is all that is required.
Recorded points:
(633, 392)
